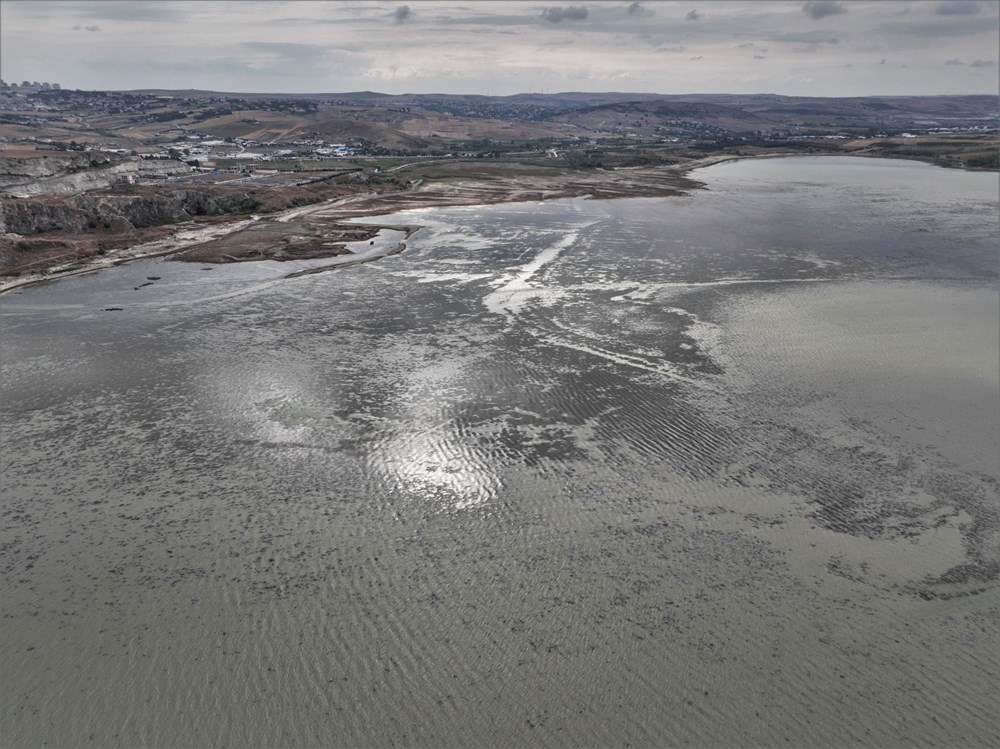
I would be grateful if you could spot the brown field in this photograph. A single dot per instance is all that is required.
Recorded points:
(958, 149)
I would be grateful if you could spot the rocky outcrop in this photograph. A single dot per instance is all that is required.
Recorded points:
(28, 217)
(162, 168)
(64, 173)
(116, 213)
(43, 231)
(201, 203)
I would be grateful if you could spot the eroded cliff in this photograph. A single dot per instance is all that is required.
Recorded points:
(63, 173)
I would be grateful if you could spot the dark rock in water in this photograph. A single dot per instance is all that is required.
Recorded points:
(113, 309)
(152, 278)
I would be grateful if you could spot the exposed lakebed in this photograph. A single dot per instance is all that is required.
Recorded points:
(717, 469)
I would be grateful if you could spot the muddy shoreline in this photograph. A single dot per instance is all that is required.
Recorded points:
(318, 230)
(315, 231)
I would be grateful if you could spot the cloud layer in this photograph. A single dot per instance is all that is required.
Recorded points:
(569, 13)
(818, 47)
(817, 9)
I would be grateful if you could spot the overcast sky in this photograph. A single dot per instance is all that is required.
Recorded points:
(820, 47)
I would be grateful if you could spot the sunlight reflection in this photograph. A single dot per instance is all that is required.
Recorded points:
(438, 466)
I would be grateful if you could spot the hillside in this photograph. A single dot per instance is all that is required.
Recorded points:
(433, 123)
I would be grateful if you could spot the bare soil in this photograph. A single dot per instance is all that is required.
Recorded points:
(281, 241)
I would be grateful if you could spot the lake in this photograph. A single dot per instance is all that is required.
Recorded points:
(719, 469)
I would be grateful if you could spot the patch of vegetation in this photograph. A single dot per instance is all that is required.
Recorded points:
(989, 161)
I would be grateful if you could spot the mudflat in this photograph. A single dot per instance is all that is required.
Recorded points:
(716, 469)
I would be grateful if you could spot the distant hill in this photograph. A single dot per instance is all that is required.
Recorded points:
(445, 123)
(730, 111)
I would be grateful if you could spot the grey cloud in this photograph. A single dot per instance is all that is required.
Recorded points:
(955, 26)
(808, 42)
(89, 27)
(806, 37)
(117, 11)
(758, 57)
(102, 10)
(226, 73)
(292, 62)
(484, 20)
(973, 64)
(569, 13)
(817, 9)
(636, 9)
(958, 8)
(401, 13)
(288, 50)
(692, 16)
(196, 68)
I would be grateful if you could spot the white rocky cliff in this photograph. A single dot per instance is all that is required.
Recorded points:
(64, 174)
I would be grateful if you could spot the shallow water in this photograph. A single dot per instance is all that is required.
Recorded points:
(711, 470)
